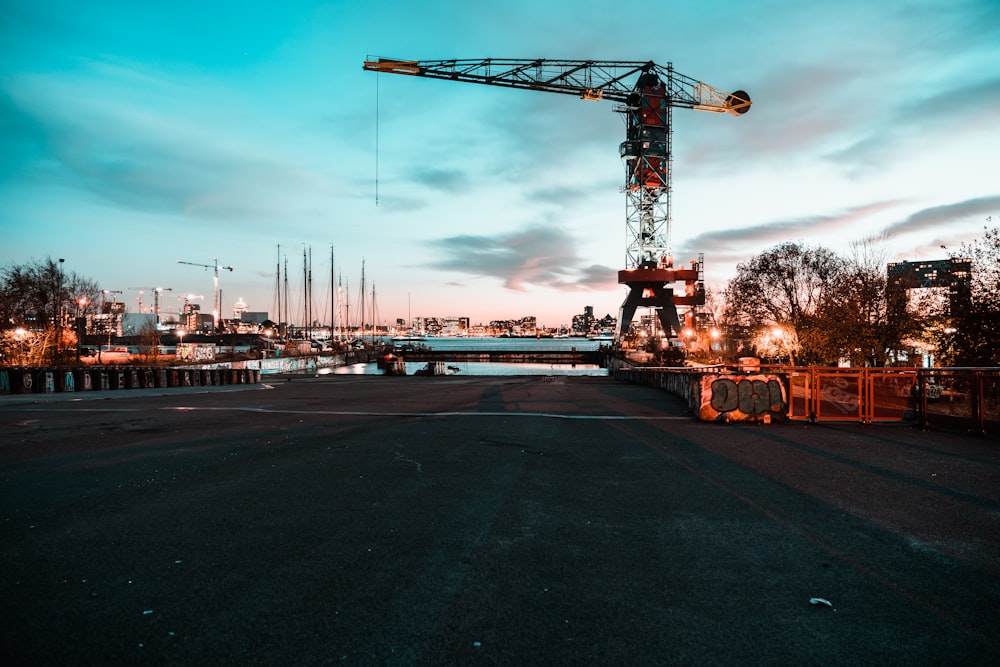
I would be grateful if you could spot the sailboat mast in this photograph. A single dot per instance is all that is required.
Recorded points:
(277, 286)
(374, 314)
(347, 306)
(309, 299)
(333, 297)
(286, 295)
(362, 299)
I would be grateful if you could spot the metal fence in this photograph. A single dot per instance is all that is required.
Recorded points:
(965, 399)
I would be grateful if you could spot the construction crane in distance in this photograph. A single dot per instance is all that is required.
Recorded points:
(216, 305)
(112, 292)
(646, 94)
(156, 299)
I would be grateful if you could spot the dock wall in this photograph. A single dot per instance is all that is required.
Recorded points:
(715, 395)
(21, 380)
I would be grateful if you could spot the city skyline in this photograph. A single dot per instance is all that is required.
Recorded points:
(136, 136)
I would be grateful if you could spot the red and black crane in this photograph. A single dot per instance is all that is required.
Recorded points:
(646, 94)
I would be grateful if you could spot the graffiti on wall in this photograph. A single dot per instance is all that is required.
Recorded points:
(742, 397)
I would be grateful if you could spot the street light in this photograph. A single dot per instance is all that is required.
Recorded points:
(81, 326)
(20, 333)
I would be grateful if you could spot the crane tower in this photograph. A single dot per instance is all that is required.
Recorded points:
(646, 94)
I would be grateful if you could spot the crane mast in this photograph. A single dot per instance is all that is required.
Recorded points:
(646, 94)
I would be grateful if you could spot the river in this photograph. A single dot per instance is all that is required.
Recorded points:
(477, 344)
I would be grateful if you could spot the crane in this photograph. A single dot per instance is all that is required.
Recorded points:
(646, 94)
(112, 292)
(156, 299)
(216, 306)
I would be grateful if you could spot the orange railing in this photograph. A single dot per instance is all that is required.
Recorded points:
(966, 399)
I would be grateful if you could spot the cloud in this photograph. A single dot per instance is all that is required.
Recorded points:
(541, 256)
(940, 216)
(445, 180)
(919, 116)
(99, 137)
(739, 239)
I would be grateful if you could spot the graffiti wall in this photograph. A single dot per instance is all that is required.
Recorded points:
(742, 398)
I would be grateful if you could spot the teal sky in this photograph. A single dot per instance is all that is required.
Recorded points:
(137, 134)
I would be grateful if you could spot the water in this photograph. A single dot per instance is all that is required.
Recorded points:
(484, 344)
(474, 368)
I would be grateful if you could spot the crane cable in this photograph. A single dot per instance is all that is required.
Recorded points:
(376, 137)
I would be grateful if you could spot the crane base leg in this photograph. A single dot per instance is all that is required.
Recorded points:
(656, 295)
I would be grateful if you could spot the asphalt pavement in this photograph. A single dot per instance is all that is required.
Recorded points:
(368, 520)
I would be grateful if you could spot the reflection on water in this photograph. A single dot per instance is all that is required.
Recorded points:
(473, 368)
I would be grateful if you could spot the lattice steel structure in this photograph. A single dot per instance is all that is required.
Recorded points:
(646, 94)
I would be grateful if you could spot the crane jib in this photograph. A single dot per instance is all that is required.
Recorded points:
(587, 79)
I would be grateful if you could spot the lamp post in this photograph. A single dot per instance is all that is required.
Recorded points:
(81, 326)
(20, 334)
(57, 306)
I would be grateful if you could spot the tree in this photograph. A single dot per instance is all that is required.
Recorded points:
(150, 338)
(39, 298)
(969, 331)
(864, 317)
(785, 287)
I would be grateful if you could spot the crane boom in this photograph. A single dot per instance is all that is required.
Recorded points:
(587, 79)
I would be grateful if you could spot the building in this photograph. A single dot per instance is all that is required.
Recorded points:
(586, 324)
(944, 281)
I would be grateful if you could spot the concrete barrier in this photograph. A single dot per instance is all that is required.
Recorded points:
(45, 382)
(65, 380)
(84, 379)
(23, 381)
(20, 380)
(713, 396)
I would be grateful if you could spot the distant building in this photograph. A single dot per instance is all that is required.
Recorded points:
(947, 281)
(585, 324)
(253, 317)
(193, 319)
(453, 326)
(526, 326)
(133, 324)
(239, 308)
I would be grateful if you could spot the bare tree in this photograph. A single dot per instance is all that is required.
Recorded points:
(969, 331)
(39, 297)
(864, 318)
(784, 286)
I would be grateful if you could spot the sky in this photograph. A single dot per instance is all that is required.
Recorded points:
(135, 135)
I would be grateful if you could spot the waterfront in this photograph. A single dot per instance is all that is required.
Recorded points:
(483, 368)
(477, 344)
(485, 343)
